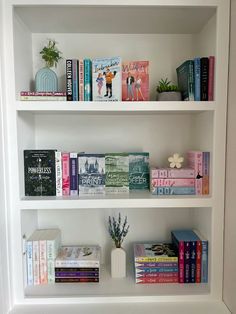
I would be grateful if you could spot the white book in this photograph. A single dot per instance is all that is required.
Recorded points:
(53, 245)
(58, 165)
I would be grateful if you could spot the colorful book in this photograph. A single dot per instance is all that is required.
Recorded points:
(58, 166)
(173, 182)
(185, 75)
(81, 80)
(69, 82)
(194, 160)
(76, 274)
(39, 168)
(91, 172)
(157, 252)
(155, 264)
(43, 94)
(139, 172)
(197, 79)
(70, 280)
(204, 257)
(211, 78)
(157, 275)
(117, 173)
(164, 173)
(173, 190)
(156, 280)
(77, 269)
(150, 270)
(73, 174)
(65, 174)
(204, 78)
(135, 80)
(106, 79)
(87, 80)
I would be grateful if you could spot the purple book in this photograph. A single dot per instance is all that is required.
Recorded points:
(76, 274)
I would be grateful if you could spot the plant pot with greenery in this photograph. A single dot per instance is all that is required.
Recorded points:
(167, 91)
(46, 79)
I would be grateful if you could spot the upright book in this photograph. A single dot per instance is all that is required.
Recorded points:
(39, 168)
(135, 80)
(185, 75)
(106, 79)
(139, 172)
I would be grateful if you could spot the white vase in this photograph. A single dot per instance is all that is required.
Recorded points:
(118, 263)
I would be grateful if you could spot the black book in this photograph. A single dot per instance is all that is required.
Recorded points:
(69, 80)
(204, 78)
(39, 167)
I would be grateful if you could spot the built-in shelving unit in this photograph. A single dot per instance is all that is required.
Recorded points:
(166, 33)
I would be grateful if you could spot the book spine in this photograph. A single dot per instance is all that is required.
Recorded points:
(58, 174)
(51, 271)
(77, 274)
(197, 79)
(29, 252)
(43, 261)
(180, 247)
(187, 262)
(173, 182)
(76, 264)
(43, 98)
(204, 273)
(69, 85)
(205, 173)
(150, 270)
(159, 173)
(191, 80)
(155, 259)
(156, 280)
(36, 263)
(160, 264)
(75, 80)
(52, 249)
(65, 174)
(27, 93)
(87, 80)
(198, 261)
(60, 280)
(77, 269)
(178, 190)
(193, 261)
(195, 162)
(157, 275)
(73, 174)
(183, 173)
(81, 80)
(211, 78)
(204, 78)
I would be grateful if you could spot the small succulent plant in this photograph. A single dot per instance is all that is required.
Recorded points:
(166, 86)
(50, 54)
(118, 230)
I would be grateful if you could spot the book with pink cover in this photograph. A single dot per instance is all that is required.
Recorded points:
(135, 81)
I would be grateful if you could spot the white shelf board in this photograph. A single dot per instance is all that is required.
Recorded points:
(150, 107)
(131, 200)
(207, 307)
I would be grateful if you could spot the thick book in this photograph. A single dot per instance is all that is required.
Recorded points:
(117, 173)
(139, 172)
(39, 168)
(87, 80)
(204, 78)
(168, 173)
(78, 256)
(91, 172)
(185, 75)
(69, 82)
(155, 252)
(106, 74)
(135, 81)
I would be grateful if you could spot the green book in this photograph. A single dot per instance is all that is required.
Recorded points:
(139, 171)
(185, 75)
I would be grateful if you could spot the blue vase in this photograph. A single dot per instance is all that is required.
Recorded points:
(46, 80)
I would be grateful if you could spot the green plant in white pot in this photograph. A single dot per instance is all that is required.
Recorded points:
(167, 91)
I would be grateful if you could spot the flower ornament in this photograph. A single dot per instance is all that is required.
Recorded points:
(175, 161)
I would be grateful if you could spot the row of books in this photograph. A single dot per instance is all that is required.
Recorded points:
(183, 181)
(196, 79)
(49, 172)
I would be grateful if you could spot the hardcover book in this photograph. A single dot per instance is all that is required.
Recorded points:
(139, 172)
(106, 79)
(157, 252)
(185, 75)
(135, 80)
(91, 174)
(117, 173)
(39, 168)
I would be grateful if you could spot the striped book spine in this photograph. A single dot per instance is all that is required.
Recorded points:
(73, 174)
(75, 80)
(69, 85)
(58, 173)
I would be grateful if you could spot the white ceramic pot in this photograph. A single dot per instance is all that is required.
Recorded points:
(118, 263)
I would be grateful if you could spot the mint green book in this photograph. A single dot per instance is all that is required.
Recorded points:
(139, 171)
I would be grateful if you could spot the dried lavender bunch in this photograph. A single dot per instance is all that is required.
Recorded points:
(118, 230)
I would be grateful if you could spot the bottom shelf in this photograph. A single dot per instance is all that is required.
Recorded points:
(127, 308)
(109, 287)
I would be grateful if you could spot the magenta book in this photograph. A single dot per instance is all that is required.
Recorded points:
(135, 81)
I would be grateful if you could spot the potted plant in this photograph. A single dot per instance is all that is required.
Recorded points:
(46, 79)
(167, 91)
(118, 231)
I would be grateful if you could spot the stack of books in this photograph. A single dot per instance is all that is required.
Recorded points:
(156, 263)
(78, 264)
(41, 250)
(171, 181)
(193, 256)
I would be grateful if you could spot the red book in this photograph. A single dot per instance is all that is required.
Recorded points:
(211, 78)
(198, 261)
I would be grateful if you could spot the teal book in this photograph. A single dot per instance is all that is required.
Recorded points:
(139, 171)
(117, 173)
(185, 75)
(87, 80)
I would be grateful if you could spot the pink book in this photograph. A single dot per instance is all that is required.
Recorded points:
(135, 81)
(81, 79)
(173, 182)
(211, 78)
(195, 162)
(163, 173)
(43, 261)
(181, 261)
(156, 280)
(65, 174)
(159, 173)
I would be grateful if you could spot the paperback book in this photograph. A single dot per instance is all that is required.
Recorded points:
(139, 172)
(157, 252)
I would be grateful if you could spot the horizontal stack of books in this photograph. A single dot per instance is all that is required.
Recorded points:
(78, 264)
(41, 250)
(43, 96)
(156, 263)
(196, 79)
(193, 256)
(49, 172)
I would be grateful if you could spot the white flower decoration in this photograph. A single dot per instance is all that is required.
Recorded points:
(175, 161)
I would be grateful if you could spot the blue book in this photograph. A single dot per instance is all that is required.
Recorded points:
(75, 80)
(173, 190)
(87, 80)
(197, 79)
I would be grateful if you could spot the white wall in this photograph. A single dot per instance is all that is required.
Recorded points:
(230, 209)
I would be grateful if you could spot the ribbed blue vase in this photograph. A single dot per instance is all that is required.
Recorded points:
(46, 80)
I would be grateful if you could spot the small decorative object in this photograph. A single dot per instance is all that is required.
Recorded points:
(118, 232)
(176, 161)
(167, 91)
(46, 79)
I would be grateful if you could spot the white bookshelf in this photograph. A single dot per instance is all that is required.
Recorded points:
(166, 33)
